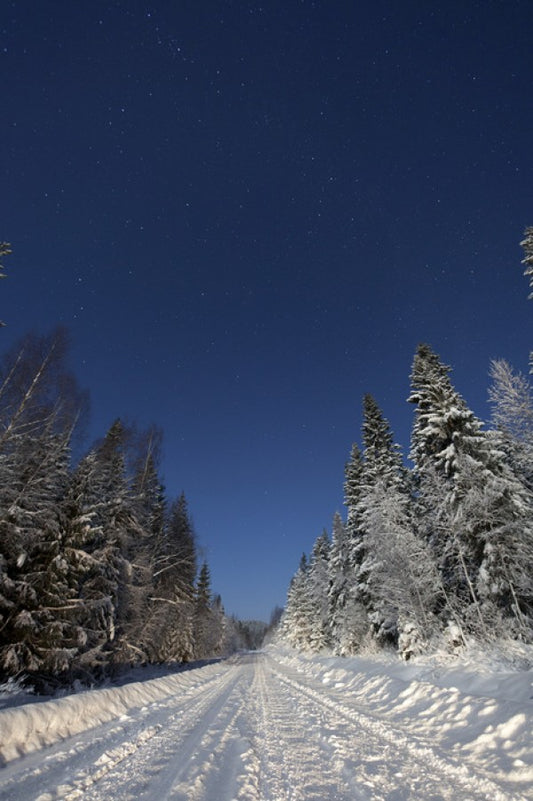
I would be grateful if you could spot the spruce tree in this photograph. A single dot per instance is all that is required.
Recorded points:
(39, 601)
(382, 476)
(202, 613)
(209, 618)
(477, 507)
(349, 620)
(444, 428)
(339, 575)
(317, 593)
(174, 590)
(97, 561)
(297, 619)
(148, 516)
(106, 507)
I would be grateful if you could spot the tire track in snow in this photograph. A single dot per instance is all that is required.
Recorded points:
(152, 771)
(68, 769)
(387, 757)
(249, 730)
(296, 761)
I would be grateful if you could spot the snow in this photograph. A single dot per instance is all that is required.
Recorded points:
(279, 725)
(29, 727)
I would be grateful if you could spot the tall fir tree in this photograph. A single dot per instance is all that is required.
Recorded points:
(297, 619)
(202, 614)
(97, 561)
(349, 620)
(39, 589)
(174, 576)
(382, 475)
(317, 592)
(482, 507)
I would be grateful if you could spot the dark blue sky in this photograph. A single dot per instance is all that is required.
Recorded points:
(249, 215)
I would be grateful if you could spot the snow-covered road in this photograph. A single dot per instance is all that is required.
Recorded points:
(259, 727)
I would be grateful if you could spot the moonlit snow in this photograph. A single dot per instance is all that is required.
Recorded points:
(275, 725)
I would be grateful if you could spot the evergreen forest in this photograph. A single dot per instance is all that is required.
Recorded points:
(439, 553)
(99, 570)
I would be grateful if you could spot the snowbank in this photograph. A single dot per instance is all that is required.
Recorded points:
(26, 728)
(475, 713)
(473, 709)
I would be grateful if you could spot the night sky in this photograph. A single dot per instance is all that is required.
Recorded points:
(248, 215)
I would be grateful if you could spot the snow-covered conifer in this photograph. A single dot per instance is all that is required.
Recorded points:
(317, 594)
(174, 591)
(466, 483)
(202, 613)
(297, 618)
(39, 588)
(383, 479)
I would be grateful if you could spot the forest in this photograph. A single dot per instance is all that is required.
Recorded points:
(436, 554)
(99, 570)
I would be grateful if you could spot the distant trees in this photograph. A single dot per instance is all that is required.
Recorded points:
(208, 618)
(97, 570)
(174, 585)
(443, 549)
(297, 621)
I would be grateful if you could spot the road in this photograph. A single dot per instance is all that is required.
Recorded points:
(252, 729)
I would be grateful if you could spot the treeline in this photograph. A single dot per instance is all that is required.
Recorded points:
(441, 551)
(98, 569)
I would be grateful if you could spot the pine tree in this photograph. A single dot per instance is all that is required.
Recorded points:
(349, 621)
(39, 599)
(105, 510)
(202, 613)
(97, 562)
(317, 594)
(124, 533)
(355, 546)
(339, 574)
(382, 477)
(352, 489)
(444, 429)
(297, 620)
(148, 513)
(478, 505)
(174, 593)
(97, 522)
(219, 645)
(443, 422)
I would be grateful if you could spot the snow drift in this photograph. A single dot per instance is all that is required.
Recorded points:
(29, 727)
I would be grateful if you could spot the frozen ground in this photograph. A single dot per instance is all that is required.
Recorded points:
(274, 726)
